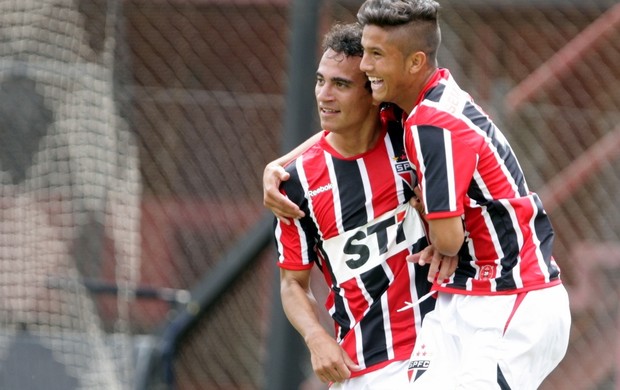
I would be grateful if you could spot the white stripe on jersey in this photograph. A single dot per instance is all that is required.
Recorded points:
(303, 242)
(352, 324)
(363, 290)
(417, 314)
(387, 327)
(416, 138)
(359, 341)
(483, 188)
(387, 324)
(468, 283)
(496, 247)
(539, 256)
(329, 162)
(303, 180)
(447, 141)
(278, 234)
(370, 211)
(516, 271)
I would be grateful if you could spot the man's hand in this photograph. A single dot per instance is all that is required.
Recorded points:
(329, 361)
(441, 267)
(273, 199)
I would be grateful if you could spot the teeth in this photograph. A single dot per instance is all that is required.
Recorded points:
(374, 79)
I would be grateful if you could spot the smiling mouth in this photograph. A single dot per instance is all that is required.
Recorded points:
(376, 83)
(328, 111)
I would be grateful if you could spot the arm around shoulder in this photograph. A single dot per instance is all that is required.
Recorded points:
(274, 174)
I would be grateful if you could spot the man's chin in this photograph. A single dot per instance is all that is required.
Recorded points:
(378, 97)
(325, 125)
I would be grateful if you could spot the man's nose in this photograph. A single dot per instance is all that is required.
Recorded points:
(365, 65)
(323, 93)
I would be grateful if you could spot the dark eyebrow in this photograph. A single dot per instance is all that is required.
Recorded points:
(336, 79)
(342, 80)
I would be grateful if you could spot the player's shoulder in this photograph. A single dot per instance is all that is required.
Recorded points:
(310, 155)
(299, 169)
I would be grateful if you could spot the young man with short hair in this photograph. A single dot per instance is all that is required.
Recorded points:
(502, 320)
(354, 187)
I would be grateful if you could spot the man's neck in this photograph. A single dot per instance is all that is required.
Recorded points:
(353, 143)
(416, 90)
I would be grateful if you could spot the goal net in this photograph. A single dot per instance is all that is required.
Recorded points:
(69, 190)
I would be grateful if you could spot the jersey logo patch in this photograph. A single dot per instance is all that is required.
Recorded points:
(419, 362)
(326, 187)
(403, 166)
(401, 163)
(487, 272)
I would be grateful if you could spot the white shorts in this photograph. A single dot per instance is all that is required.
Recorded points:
(491, 342)
(392, 376)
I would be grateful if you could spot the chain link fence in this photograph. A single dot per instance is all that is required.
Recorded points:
(139, 159)
(546, 70)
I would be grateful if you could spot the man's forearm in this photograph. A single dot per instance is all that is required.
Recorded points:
(301, 309)
(447, 235)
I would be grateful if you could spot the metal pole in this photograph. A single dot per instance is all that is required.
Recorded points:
(300, 113)
(287, 354)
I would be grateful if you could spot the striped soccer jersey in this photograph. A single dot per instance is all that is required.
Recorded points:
(466, 168)
(358, 229)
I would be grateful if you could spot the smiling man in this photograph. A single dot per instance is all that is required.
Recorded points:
(502, 320)
(358, 227)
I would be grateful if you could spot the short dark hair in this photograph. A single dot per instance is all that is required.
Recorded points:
(345, 39)
(420, 16)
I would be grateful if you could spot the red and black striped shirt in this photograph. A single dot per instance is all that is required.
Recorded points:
(466, 168)
(358, 229)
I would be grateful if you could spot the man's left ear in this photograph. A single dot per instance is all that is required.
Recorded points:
(417, 61)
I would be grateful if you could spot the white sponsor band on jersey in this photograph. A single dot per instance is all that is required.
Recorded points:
(359, 250)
